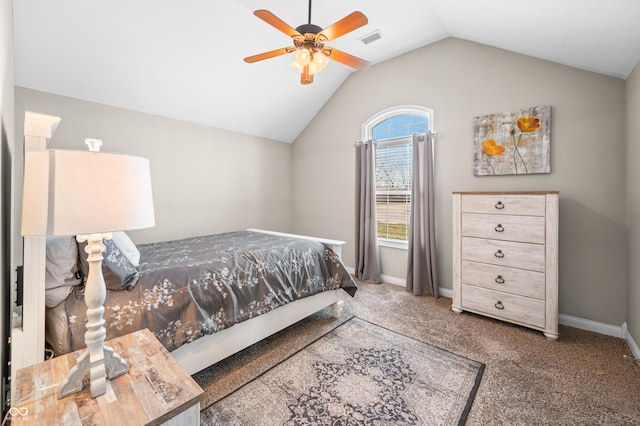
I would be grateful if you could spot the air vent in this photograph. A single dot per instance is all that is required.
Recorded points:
(371, 37)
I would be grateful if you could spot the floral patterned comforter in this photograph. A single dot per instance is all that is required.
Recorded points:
(196, 286)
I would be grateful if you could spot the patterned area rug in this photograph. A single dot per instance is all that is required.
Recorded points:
(357, 374)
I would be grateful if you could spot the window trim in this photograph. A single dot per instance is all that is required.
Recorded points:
(367, 133)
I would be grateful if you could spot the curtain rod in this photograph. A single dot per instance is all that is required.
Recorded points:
(433, 133)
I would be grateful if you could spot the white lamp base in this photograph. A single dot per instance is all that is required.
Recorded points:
(98, 362)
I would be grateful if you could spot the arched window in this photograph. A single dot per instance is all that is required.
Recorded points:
(392, 131)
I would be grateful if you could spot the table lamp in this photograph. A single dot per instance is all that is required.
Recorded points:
(89, 195)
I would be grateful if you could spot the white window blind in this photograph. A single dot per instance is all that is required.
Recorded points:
(393, 188)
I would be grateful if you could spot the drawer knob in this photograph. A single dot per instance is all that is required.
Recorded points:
(499, 305)
(499, 205)
(499, 228)
(499, 279)
(499, 254)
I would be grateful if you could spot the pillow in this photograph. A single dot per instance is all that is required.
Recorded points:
(127, 247)
(62, 262)
(119, 273)
(54, 296)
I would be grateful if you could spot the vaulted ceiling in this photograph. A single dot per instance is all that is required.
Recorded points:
(184, 59)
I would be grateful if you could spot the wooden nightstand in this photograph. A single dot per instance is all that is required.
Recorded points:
(155, 391)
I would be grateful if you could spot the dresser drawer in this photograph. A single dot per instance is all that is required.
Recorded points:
(529, 229)
(509, 280)
(523, 310)
(532, 205)
(504, 253)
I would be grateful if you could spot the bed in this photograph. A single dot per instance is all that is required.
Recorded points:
(188, 289)
(195, 343)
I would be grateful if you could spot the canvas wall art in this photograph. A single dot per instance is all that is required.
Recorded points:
(513, 143)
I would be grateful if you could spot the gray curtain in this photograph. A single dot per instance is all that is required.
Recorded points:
(367, 255)
(421, 268)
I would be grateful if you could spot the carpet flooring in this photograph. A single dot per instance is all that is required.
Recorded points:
(583, 378)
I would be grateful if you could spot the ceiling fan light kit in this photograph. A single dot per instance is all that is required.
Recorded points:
(316, 61)
(312, 56)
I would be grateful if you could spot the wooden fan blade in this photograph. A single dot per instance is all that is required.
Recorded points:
(276, 22)
(267, 55)
(345, 58)
(345, 25)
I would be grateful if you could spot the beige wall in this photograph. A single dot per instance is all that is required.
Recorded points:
(204, 180)
(461, 80)
(633, 203)
(6, 152)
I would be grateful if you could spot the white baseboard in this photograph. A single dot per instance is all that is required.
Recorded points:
(589, 325)
(446, 292)
(635, 350)
(388, 279)
(385, 278)
(394, 280)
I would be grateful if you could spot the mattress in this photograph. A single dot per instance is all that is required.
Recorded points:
(193, 287)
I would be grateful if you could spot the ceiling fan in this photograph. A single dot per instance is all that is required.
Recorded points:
(309, 40)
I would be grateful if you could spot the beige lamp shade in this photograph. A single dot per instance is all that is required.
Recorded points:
(82, 192)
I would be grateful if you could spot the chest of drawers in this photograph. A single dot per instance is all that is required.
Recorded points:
(505, 257)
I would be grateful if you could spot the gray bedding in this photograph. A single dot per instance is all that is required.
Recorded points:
(196, 286)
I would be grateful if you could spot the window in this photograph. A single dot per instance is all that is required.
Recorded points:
(393, 132)
(393, 188)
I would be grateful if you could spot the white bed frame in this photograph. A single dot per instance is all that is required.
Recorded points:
(28, 336)
(215, 347)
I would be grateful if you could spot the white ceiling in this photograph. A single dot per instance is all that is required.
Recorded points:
(183, 59)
